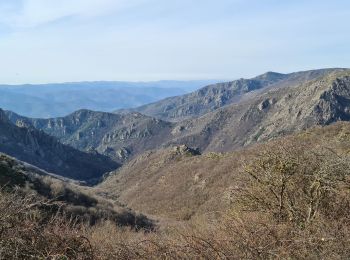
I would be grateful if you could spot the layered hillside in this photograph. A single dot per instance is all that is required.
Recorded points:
(118, 136)
(35, 147)
(178, 183)
(277, 110)
(281, 198)
(275, 113)
(288, 199)
(215, 96)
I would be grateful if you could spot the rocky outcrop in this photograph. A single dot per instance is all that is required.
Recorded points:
(276, 113)
(185, 150)
(334, 104)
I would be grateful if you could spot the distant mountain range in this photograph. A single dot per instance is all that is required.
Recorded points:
(220, 118)
(53, 100)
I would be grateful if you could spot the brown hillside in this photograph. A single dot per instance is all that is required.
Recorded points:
(180, 185)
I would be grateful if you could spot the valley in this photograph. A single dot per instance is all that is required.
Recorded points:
(288, 103)
(170, 130)
(193, 169)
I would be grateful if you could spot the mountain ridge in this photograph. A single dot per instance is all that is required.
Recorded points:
(306, 99)
(117, 136)
(60, 99)
(218, 95)
(33, 146)
(277, 112)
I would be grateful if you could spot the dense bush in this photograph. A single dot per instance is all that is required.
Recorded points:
(27, 232)
(293, 202)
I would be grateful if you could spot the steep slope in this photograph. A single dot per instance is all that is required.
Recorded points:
(37, 148)
(215, 96)
(117, 136)
(271, 114)
(180, 185)
(23, 179)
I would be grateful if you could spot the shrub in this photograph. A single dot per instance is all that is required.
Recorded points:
(28, 232)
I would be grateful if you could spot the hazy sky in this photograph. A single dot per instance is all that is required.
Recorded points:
(74, 40)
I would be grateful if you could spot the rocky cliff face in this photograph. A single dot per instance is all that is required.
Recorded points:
(334, 103)
(272, 114)
(219, 95)
(118, 136)
(36, 147)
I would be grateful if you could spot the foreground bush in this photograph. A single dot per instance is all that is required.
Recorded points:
(27, 232)
(293, 202)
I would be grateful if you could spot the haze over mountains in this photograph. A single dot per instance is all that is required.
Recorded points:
(217, 118)
(220, 117)
(53, 100)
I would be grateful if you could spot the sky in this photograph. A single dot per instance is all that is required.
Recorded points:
(45, 41)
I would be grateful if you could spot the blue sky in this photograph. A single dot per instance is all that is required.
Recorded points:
(75, 40)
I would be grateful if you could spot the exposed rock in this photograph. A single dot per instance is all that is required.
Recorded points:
(106, 133)
(219, 95)
(123, 153)
(265, 104)
(185, 150)
(177, 130)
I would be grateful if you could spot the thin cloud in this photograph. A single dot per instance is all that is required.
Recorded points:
(157, 39)
(33, 13)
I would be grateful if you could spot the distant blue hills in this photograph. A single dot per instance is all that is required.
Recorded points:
(54, 100)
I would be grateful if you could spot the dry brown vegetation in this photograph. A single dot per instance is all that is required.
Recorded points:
(185, 187)
(28, 232)
(294, 204)
(75, 201)
(290, 199)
